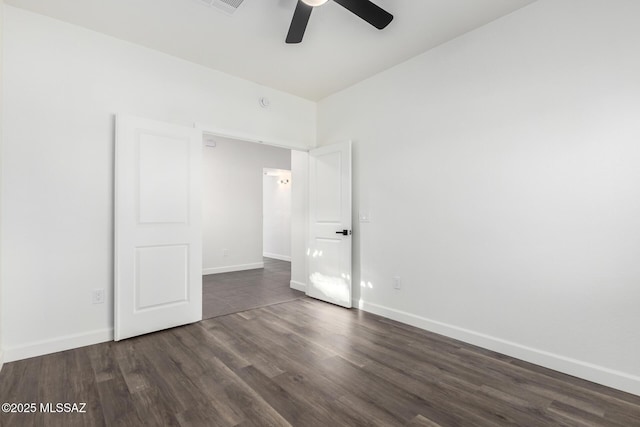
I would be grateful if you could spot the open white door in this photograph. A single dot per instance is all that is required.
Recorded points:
(329, 249)
(158, 240)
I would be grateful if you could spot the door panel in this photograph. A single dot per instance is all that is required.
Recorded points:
(329, 192)
(162, 276)
(164, 179)
(158, 242)
(329, 253)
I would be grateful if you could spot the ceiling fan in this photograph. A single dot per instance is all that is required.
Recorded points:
(365, 9)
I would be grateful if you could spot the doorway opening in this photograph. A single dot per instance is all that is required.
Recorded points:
(159, 225)
(246, 226)
(276, 214)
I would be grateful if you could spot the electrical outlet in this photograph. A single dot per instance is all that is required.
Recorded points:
(97, 296)
(225, 252)
(397, 283)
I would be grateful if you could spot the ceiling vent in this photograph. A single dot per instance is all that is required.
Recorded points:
(227, 6)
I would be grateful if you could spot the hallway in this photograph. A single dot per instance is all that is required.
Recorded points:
(238, 291)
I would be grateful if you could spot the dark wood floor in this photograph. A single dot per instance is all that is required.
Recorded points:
(304, 363)
(228, 293)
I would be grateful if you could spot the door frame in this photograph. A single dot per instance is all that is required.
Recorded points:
(213, 130)
(207, 129)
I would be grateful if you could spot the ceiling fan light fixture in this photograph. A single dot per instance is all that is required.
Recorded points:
(314, 3)
(364, 9)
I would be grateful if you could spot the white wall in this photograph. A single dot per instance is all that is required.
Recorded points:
(62, 86)
(276, 211)
(232, 203)
(1, 129)
(299, 213)
(501, 174)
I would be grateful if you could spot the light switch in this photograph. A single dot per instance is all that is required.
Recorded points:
(365, 217)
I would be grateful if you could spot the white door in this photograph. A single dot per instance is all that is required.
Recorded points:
(329, 249)
(158, 216)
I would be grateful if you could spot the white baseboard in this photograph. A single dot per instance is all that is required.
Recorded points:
(276, 256)
(298, 286)
(54, 345)
(230, 268)
(588, 371)
(1, 360)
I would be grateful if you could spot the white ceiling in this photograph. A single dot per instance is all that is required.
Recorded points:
(338, 50)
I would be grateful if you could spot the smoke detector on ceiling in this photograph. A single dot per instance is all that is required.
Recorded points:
(227, 6)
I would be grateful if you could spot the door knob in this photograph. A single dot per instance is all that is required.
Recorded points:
(344, 232)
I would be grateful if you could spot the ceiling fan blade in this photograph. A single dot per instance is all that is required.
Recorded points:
(299, 22)
(373, 14)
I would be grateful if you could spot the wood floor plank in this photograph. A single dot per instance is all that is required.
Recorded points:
(276, 343)
(291, 407)
(366, 412)
(209, 375)
(171, 372)
(151, 407)
(573, 414)
(204, 416)
(420, 421)
(132, 366)
(232, 398)
(79, 387)
(257, 411)
(153, 398)
(242, 346)
(315, 331)
(303, 363)
(19, 383)
(117, 405)
(397, 402)
(317, 391)
(223, 350)
(446, 396)
(596, 390)
(238, 291)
